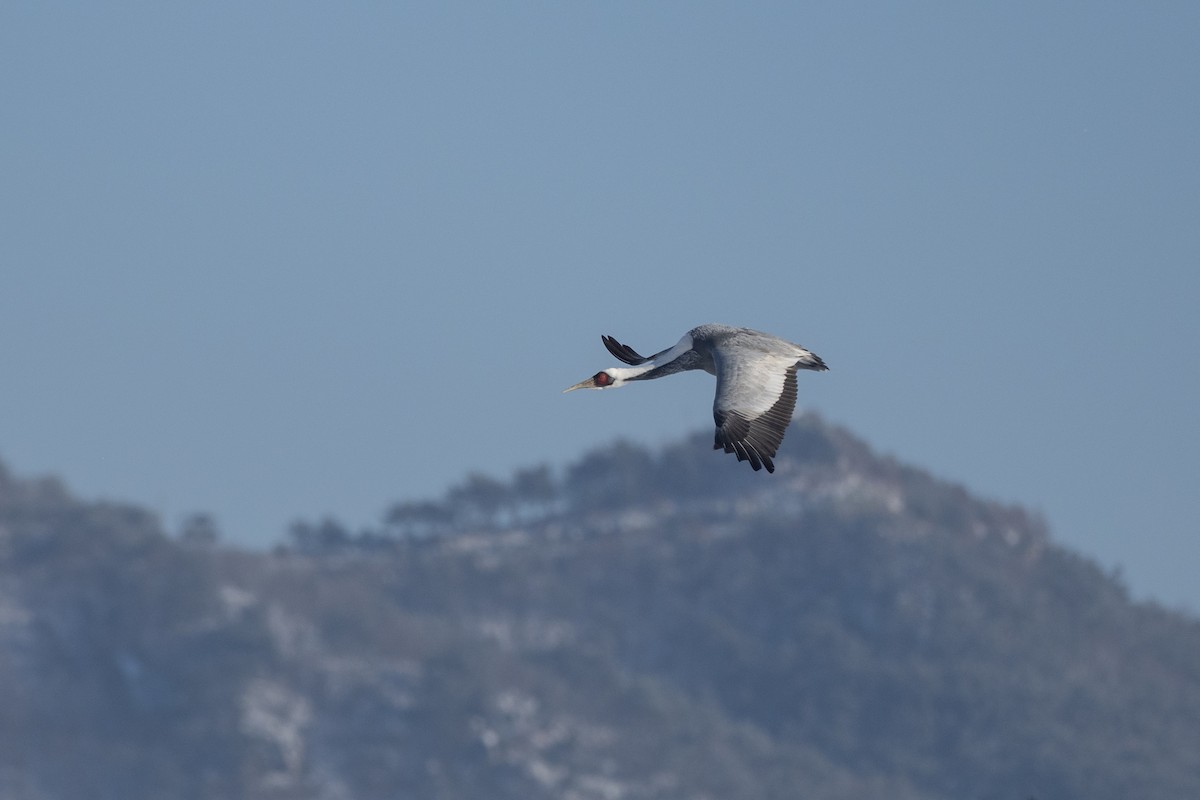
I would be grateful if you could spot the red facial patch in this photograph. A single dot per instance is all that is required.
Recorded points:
(602, 379)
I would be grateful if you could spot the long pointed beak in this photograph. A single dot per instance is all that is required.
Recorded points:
(590, 383)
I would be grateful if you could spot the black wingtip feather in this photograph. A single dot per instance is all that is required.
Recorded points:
(623, 351)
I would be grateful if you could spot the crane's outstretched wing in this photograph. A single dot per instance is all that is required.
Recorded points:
(753, 407)
(626, 353)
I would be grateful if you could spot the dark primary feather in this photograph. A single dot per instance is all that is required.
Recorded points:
(757, 439)
(623, 351)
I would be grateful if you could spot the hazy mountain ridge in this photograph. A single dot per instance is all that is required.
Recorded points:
(647, 625)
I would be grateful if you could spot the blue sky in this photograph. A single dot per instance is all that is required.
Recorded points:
(281, 260)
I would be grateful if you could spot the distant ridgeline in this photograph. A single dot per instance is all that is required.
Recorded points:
(643, 625)
(821, 467)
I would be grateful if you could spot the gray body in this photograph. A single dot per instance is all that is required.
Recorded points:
(756, 383)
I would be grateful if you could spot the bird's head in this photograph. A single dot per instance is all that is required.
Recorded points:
(601, 380)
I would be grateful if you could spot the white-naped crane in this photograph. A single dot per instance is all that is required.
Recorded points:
(756, 382)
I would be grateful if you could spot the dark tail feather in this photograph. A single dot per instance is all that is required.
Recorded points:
(811, 361)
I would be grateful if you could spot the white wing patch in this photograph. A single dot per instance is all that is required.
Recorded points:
(750, 387)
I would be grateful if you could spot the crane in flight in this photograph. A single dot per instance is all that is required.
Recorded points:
(756, 382)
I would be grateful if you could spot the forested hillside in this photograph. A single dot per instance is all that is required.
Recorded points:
(637, 625)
